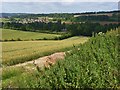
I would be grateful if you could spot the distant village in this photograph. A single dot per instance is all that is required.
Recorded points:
(32, 20)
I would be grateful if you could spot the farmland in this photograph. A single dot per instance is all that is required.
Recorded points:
(91, 67)
(21, 51)
(8, 34)
(44, 51)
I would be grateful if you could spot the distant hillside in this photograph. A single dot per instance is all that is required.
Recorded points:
(64, 15)
(7, 15)
(98, 13)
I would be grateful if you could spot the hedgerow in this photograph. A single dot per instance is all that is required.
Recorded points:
(95, 65)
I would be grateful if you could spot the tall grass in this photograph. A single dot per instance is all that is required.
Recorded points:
(19, 52)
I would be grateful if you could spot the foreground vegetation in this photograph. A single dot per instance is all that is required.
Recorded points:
(21, 51)
(95, 65)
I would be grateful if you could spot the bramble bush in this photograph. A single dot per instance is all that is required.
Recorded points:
(95, 65)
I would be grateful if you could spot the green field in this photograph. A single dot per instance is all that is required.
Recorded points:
(21, 51)
(4, 20)
(8, 34)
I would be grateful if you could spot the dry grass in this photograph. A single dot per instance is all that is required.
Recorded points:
(21, 51)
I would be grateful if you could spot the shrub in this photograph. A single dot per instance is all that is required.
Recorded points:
(12, 39)
(44, 38)
(19, 39)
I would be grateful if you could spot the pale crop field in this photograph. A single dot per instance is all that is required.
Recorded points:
(21, 51)
(8, 34)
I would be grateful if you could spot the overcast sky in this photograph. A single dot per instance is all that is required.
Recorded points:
(57, 7)
(60, 0)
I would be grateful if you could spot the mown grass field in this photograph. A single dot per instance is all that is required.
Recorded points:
(8, 34)
(4, 20)
(95, 65)
(21, 51)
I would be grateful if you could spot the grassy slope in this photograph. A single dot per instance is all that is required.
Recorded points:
(21, 51)
(8, 34)
(96, 65)
(4, 20)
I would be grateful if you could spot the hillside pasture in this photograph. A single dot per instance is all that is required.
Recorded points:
(8, 34)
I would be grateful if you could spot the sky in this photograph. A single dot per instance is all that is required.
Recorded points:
(67, 6)
(60, 0)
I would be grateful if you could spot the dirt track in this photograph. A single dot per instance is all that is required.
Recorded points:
(43, 61)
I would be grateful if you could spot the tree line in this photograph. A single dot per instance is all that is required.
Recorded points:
(85, 29)
(114, 17)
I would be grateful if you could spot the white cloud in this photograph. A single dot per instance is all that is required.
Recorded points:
(57, 7)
